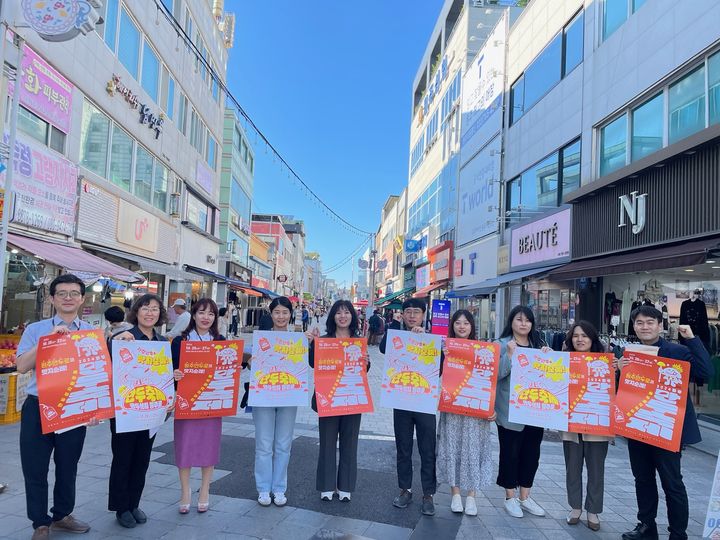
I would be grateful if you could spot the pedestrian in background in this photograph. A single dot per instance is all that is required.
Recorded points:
(115, 316)
(222, 321)
(183, 319)
(464, 442)
(234, 318)
(376, 328)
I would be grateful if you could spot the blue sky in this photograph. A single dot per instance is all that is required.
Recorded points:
(329, 83)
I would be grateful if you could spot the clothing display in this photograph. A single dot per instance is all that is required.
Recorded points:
(693, 312)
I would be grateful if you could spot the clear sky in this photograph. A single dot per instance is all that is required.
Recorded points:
(329, 83)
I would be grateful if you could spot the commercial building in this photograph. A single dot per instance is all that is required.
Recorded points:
(270, 229)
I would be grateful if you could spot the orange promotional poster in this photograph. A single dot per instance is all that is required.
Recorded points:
(209, 387)
(651, 400)
(591, 393)
(341, 384)
(469, 377)
(73, 379)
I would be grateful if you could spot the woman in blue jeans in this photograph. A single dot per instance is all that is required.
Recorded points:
(274, 428)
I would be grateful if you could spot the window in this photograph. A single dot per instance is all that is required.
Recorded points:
(432, 128)
(110, 24)
(451, 95)
(687, 105)
(211, 152)
(517, 100)
(32, 125)
(240, 203)
(57, 140)
(168, 5)
(167, 92)
(121, 154)
(251, 163)
(199, 213)
(188, 28)
(615, 12)
(714, 87)
(150, 71)
(160, 187)
(573, 36)
(570, 168)
(130, 39)
(613, 143)
(182, 114)
(215, 90)
(243, 149)
(143, 174)
(416, 156)
(94, 135)
(544, 72)
(647, 128)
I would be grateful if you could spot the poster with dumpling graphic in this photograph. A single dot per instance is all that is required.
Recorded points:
(411, 376)
(279, 370)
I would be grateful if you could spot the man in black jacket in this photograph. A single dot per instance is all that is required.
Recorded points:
(646, 460)
(407, 422)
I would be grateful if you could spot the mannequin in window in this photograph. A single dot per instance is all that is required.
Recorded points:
(693, 312)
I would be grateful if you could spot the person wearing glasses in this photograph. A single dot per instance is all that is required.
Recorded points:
(67, 294)
(131, 451)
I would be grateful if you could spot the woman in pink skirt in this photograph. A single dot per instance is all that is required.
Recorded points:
(197, 441)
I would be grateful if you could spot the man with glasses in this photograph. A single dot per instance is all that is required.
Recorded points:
(407, 422)
(67, 293)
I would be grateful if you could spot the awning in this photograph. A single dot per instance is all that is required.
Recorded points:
(73, 259)
(246, 290)
(147, 265)
(464, 292)
(392, 296)
(361, 303)
(207, 273)
(674, 256)
(271, 295)
(425, 291)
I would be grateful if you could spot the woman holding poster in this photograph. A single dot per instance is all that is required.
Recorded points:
(131, 450)
(519, 444)
(464, 446)
(197, 440)
(592, 449)
(342, 322)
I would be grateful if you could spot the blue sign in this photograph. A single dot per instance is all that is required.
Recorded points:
(412, 246)
(440, 317)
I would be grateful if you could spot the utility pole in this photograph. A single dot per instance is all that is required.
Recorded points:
(373, 269)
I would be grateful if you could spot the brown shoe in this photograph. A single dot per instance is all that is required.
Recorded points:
(71, 525)
(41, 533)
(593, 524)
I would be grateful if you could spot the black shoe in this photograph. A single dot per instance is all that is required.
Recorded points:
(642, 531)
(139, 515)
(428, 507)
(402, 500)
(126, 519)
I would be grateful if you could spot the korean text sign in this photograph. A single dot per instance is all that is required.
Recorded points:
(539, 388)
(74, 379)
(411, 377)
(143, 384)
(279, 370)
(440, 317)
(651, 400)
(211, 379)
(469, 377)
(341, 384)
(591, 393)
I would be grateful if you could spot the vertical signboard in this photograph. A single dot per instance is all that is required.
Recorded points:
(440, 317)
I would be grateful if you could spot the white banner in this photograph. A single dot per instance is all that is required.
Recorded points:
(712, 521)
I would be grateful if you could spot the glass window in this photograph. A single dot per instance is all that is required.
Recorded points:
(110, 24)
(517, 100)
(647, 128)
(197, 212)
(160, 186)
(150, 71)
(215, 89)
(212, 152)
(714, 87)
(545, 178)
(94, 134)
(170, 102)
(240, 202)
(188, 28)
(687, 105)
(182, 114)
(143, 174)
(32, 125)
(168, 5)
(543, 73)
(57, 140)
(570, 158)
(130, 39)
(121, 154)
(637, 4)
(251, 164)
(613, 144)
(615, 12)
(573, 44)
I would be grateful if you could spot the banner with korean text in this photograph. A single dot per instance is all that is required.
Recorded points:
(591, 393)
(651, 400)
(211, 379)
(279, 370)
(73, 380)
(411, 378)
(143, 385)
(341, 383)
(469, 377)
(712, 518)
(539, 388)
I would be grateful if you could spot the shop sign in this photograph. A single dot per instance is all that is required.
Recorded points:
(204, 177)
(136, 227)
(479, 195)
(458, 268)
(89, 188)
(259, 282)
(282, 278)
(475, 263)
(422, 277)
(210, 259)
(547, 239)
(503, 259)
(45, 186)
(408, 278)
(635, 207)
(440, 258)
(440, 317)
(147, 116)
(60, 20)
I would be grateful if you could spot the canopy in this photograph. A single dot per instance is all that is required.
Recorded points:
(392, 296)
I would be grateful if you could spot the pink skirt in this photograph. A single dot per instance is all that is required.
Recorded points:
(197, 442)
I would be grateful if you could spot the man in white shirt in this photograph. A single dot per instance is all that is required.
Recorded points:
(183, 320)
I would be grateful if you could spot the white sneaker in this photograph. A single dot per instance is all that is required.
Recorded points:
(456, 504)
(531, 506)
(280, 499)
(264, 498)
(512, 506)
(344, 496)
(470, 507)
(326, 495)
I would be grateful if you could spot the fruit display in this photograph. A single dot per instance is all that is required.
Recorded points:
(8, 346)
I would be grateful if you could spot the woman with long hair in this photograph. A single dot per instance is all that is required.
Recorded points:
(464, 445)
(274, 427)
(592, 449)
(197, 440)
(342, 322)
(519, 444)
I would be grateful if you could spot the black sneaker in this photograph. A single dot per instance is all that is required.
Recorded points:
(642, 531)
(126, 519)
(402, 500)
(428, 507)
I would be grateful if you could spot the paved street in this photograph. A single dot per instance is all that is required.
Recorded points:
(235, 514)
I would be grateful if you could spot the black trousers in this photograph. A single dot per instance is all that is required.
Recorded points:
(645, 461)
(519, 456)
(329, 475)
(131, 458)
(405, 422)
(35, 451)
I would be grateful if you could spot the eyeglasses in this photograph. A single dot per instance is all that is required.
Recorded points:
(411, 311)
(148, 309)
(68, 294)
